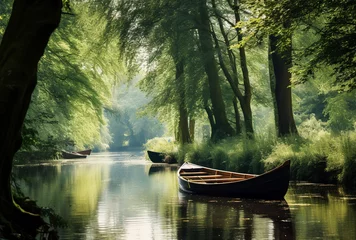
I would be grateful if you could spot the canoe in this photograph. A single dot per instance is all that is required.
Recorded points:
(84, 152)
(197, 179)
(72, 155)
(159, 157)
(156, 157)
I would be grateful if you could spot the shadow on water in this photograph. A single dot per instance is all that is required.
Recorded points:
(232, 218)
(160, 167)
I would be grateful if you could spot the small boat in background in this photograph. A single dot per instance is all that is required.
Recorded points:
(159, 157)
(72, 155)
(156, 157)
(197, 179)
(84, 152)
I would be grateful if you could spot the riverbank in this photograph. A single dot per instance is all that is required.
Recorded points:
(323, 159)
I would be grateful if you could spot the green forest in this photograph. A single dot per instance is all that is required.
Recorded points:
(238, 85)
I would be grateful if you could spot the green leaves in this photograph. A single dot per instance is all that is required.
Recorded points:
(74, 82)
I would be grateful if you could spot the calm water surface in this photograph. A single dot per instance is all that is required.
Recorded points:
(123, 196)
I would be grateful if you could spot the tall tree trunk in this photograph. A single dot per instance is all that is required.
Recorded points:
(211, 120)
(26, 36)
(281, 62)
(192, 129)
(272, 81)
(246, 101)
(223, 128)
(183, 128)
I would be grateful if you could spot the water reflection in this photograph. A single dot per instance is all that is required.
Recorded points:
(122, 196)
(232, 218)
(160, 167)
(322, 211)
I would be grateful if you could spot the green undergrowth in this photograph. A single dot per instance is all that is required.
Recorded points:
(324, 158)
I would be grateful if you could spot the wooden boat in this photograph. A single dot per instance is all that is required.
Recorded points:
(156, 157)
(159, 157)
(72, 155)
(208, 181)
(85, 152)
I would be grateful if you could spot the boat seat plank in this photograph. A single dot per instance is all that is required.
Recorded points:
(203, 176)
(193, 173)
(216, 180)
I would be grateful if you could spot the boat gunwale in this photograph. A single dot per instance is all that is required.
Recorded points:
(254, 176)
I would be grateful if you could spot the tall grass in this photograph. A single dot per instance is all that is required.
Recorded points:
(348, 174)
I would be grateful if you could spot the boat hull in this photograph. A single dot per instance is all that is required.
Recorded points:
(72, 155)
(271, 185)
(85, 152)
(156, 157)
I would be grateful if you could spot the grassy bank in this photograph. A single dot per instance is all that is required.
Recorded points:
(324, 158)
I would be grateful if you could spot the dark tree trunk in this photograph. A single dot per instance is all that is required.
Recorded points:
(211, 120)
(281, 62)
(192, 129)
(272, 81)
(183, 127)
(222, 126)
(26, 36)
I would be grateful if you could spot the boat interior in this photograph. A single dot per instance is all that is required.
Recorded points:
(206, 175)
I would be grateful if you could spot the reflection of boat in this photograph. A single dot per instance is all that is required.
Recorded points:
(72, 155)
(232, 218)
(202, 180)
(159, 157)
(157, 168)
(85, 152)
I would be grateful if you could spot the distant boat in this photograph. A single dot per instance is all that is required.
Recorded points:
(208, 181)
(84, 152)
(159, 157)
(72, 155)
(156, 157)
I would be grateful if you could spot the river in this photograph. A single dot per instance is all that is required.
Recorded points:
(120, 195)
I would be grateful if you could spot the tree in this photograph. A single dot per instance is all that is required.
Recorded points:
(74, 82)
(230, 69)
(270, 21)
(27, 34)
(334, 24)
(281, 87)
(222, 128)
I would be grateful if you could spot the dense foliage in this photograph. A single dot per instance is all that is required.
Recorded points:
(176, 46)
(74, 87)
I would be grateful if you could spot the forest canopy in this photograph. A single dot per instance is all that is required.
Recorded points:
(204, 64)
(221, 65)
